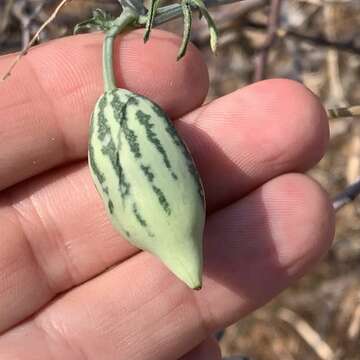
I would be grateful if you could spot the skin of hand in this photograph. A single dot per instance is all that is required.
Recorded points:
(70, 286)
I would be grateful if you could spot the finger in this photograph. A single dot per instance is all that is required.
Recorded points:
(253, 250)
(254, 134)
(209, 349)
(46, 103)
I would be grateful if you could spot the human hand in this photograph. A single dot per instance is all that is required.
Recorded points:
(70, 286)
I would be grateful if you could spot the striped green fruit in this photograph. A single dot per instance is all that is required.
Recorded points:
(148, 181)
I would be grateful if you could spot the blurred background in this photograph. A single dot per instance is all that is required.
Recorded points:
(316, 42)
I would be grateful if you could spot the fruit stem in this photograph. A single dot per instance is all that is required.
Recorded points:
(126, 18)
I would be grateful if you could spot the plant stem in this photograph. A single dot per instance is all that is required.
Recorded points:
(347, 196)
(126, 18)
(338, 113)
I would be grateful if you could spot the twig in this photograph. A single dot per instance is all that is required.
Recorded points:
(210, 3)
(352, 172)
(336, 91)
(26, 18)
(347, 196)
(338, 113)
(353, 190)
(273, 24)
(322, 2)
(349, 46)
(32, 41)
(312, 338)
(354, 328)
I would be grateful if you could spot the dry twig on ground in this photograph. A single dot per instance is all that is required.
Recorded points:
(312, 338)
(273, 24)
(347, 196)
(33, 40)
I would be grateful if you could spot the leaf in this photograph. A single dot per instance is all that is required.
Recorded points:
(150, 18)
(187, 29)
(85, 25)
(214, 34)
(100, 20)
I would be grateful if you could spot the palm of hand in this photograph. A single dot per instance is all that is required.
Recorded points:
(266, 225)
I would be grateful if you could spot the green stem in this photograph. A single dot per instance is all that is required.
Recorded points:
(126, 18)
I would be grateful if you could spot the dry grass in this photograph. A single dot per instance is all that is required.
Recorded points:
(328, 299)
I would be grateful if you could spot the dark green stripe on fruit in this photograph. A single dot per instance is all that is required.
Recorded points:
(170, 129)
(111, 206)
(138, 216)
(159, 194)
(189, 161)
(103, 129)
(144, 119)
(148, 173)
(121, 116)
(162, 199)
(109, 149)
(158, 111)
(98, 173)
(100, 176)
(124, 186)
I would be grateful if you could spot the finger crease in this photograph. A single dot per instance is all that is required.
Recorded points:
(53, 334)
(206, 316)
(53, 285)
(19, 216)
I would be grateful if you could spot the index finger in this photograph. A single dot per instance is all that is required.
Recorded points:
(46, 103)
